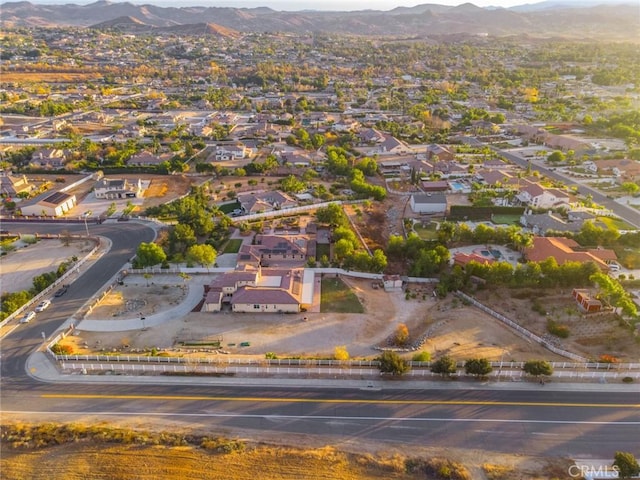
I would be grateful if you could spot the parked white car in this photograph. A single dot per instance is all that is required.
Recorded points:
(28, 317)
(43, 305)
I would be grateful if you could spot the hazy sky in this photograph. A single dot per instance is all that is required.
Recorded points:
(337, 5)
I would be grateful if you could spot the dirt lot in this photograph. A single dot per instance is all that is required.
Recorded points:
(27, 261)
(590, 335)
(452, 328)
(312, 457)
(165, 188)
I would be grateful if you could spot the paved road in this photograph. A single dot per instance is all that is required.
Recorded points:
(631, 215)
(125, 238)
(536, 422)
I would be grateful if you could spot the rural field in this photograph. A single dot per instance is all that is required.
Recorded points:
(164, 451)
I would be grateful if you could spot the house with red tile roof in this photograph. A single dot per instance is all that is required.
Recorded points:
(567, 250)
(256, 290)
(271, 249)
(462, 259)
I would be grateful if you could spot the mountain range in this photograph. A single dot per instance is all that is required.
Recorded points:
(606, 21)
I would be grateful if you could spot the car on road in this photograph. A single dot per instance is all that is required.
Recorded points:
(61, 291)
(28, 317)
(43, 305)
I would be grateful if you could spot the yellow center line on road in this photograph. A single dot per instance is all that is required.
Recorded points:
(189, 398)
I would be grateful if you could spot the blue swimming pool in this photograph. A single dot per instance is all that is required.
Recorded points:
(456, 186)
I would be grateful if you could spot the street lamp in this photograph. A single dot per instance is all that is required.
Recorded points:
(86, 226)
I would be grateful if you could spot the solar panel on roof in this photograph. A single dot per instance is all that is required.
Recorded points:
(57, 198)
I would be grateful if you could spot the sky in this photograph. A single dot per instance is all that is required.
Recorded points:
(329, 5)
(335, 5)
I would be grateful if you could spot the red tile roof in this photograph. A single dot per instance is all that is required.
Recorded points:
(562, 249)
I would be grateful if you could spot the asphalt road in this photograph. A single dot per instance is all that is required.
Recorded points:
(548, 423)
(125, 238)
(534, 422)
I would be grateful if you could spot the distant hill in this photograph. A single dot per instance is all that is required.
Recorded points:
(559, 18)
(130, 24)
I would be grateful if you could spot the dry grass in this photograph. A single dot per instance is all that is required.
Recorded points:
(498, 472)
(79, 452)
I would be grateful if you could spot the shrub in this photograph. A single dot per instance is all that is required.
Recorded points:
(341, 353)
(62, 349)
(608, 359)
(423, 356)
(554, 328)
(537, 307)
(627, 380)
(401, 336)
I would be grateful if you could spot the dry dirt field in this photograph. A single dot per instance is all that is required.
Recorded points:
(453, 329)
(165, 188)
(590, 335)
(20, 266)
(264, 456)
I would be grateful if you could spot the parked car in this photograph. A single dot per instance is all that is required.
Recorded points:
(61, 291)
(43, 305)
(28, 317)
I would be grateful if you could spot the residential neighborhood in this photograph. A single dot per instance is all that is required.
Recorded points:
(324, 234)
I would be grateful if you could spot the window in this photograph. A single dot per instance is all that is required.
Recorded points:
(256, 307)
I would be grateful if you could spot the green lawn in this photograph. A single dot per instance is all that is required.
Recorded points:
(229, 207)
(232, 246)
(506, 219)
(426, 233)
(338, 298)
(616, 223)
(323, 249)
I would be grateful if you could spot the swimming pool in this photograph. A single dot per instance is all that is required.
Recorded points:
(456, 186)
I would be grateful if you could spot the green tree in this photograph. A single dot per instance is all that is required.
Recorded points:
(181, 238)
(537, 368)
(627, 464)
(292, 184)
(149, 254)
(556, 157)
(332, 215)
(203, 254)
(614, 294)
(342, 249)
(378, 262)
(630, 188)
(445, 366)
(480, 367)
(391, 362)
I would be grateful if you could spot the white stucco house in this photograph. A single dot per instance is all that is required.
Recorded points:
(117, 188)
(428, 203)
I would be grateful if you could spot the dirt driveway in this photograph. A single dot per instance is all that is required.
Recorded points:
(452, 328)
